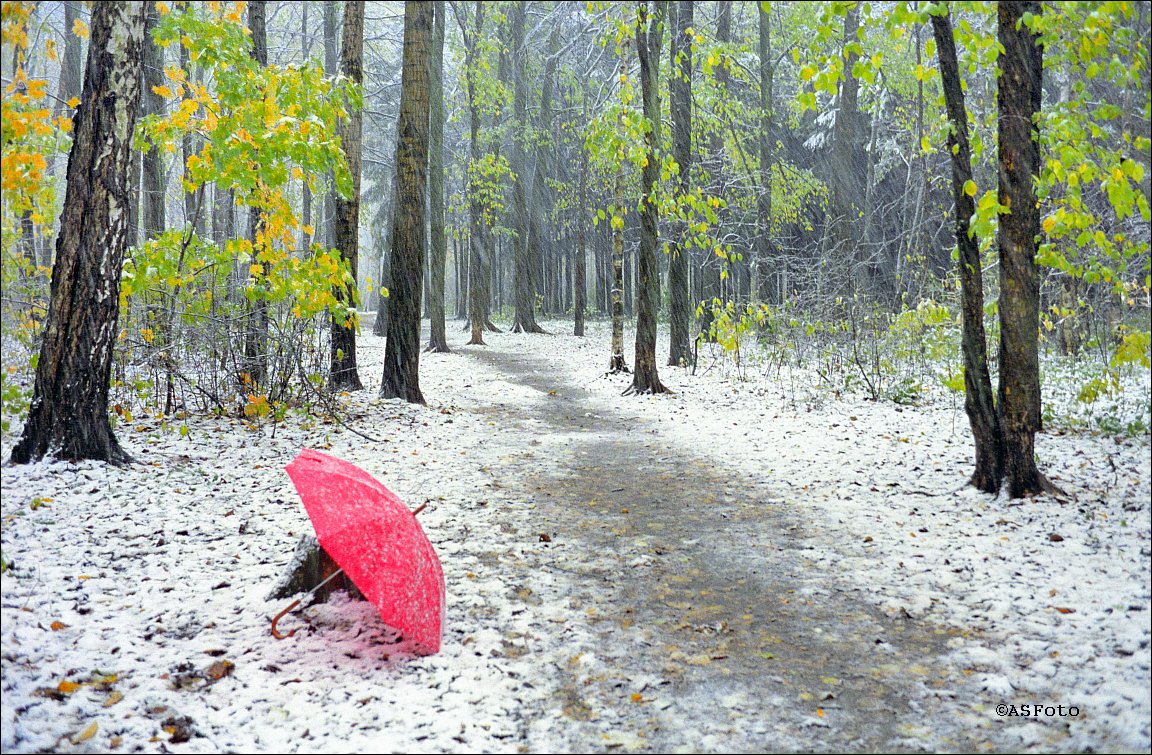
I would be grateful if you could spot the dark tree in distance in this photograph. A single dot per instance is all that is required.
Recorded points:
(524, 284)
(438, 338)
(255, 360)
(680, 103)
(153, 181)
(766, 142)
(477, 286)
(402, 351)
(344, 375)
(69, 411)
(649, 35)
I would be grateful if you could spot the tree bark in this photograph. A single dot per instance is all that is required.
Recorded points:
(766, 144)
(616, 363)
(477, 287)
(438, 339)
(680, 96)
(256, 328)
(154, 180)
(523, 283)
(402, 352)
(649, 37)
(69, 412)
(579, 273)
(1018, 101)
(978, 401)
(344, 375)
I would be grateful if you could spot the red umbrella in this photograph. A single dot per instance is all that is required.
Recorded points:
(378, 543)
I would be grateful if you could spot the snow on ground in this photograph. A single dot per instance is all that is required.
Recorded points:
(135, 616)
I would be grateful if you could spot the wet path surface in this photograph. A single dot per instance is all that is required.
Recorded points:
(709, 628)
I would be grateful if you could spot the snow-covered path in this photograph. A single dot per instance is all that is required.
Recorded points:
(714, 570)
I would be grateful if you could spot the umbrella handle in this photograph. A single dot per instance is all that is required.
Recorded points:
(279, 616)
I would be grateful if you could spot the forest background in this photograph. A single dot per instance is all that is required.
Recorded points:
(793, 162)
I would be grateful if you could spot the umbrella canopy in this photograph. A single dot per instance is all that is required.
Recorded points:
(365, 528)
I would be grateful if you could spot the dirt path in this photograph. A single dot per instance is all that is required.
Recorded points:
(706, 626)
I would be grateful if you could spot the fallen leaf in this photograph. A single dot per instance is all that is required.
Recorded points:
(113, 698)
(58, 625)
(1062, 609)
(85, 735)
(219, 670)
(820, 712)
(67, 687)
(637, 697)
(1055, 537)
(115, 742)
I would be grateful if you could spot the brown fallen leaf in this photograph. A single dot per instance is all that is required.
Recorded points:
(67, 687)
(56, 626)
(115, 742)
(113, 698)
(1055, 537)
(1063, 609)
(219, 669)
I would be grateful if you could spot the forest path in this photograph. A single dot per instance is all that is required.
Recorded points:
(707, 628)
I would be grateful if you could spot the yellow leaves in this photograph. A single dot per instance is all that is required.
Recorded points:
(255, 270)
(162, 8)
(163, 91)
(72, 103)
(1048, 224)
(80, 29)
(309, 230)
(148, 335)
(66, 687)
(296, 172)
(970, 188)
(85, 735)
(175, 74)
(807, 73)
(257, 406)
(50, 48)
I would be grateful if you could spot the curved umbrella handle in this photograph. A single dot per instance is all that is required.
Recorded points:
(279, 616)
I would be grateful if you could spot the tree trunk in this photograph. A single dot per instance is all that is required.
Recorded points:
(331, 68)
(402, 352)
(523, 279)
(766, 144)
(649, 36)
(680, 97)
(848, 166)
(154, 180)
(616, 363)
(1018, 102)
(579, 283)
(344, 375)
(69, 411)
(438, 339)
(978, 402)
(256, 329)
(477, 287)
(305, 191)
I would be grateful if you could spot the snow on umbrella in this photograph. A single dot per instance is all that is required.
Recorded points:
(378, 543)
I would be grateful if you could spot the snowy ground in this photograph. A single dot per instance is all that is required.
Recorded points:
(904, 608)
